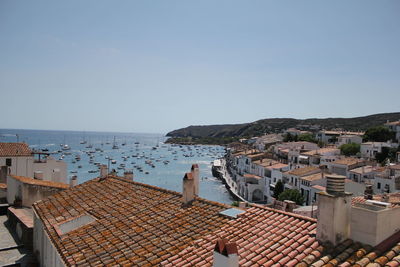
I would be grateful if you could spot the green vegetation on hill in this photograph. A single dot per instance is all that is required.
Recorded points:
(217, 133)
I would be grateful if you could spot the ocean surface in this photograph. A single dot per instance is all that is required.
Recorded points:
(152, 161)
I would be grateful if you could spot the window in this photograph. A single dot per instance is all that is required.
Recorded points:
(379, 185)
(8, 162)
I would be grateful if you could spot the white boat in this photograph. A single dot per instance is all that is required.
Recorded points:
(66, 147)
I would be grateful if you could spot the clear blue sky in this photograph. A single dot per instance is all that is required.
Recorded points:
(154, 66)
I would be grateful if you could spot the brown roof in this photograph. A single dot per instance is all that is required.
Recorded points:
(268, 237)
(304, 171)
(320, 151)
(31, 181)
(142, 225)
(312, 177)
(14, 150)
(248, 175)
(393, 198)
(3, 186)
(135, 224)
(347, 161)
(277, 166)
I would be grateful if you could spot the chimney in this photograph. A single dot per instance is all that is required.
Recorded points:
(368, 192)
(289, 205)
(38, 175)
(195, 172)
(73, 181)
(188, 189)
(225, 254)
(103, 171)
(128, 174)
(334, 207)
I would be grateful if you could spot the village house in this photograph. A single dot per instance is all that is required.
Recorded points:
(349, 139)
(368, 150)
(116, 221)
(344, 165)
(332, 137)
(395, 127)
(321, 156)
(264, 142)
(273, 174)
(18, 159)
(388, 180)
(291, 178)
(364, 174)
(289, 152)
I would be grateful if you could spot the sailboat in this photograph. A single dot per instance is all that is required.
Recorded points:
(114, 144)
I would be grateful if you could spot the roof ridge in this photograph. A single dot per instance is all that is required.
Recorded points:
(204, 200)
(285, 212)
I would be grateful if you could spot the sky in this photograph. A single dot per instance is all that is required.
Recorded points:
(155, 66)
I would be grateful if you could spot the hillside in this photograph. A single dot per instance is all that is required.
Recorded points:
(279, 124)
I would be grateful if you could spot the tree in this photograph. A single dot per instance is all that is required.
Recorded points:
(349, 149)
(379, 134)
(278, 188)
(308, 137)
(293, 195)
(289, 138)
(387, 153)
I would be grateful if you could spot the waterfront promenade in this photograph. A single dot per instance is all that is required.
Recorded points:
(229, 182)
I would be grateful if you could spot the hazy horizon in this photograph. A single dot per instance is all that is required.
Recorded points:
(153, 67)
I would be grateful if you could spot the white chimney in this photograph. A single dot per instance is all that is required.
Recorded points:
(188, 189)
(73, 181)
(225, 254)
(195, 172)
(334, 207)
(103, 171)
(38, 175)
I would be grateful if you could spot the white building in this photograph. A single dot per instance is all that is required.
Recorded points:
(387, 181)
(368, 150)
(332, 137)
(349, 139)
(18, 159)
(395, 127)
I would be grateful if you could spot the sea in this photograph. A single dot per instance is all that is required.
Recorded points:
(151, 160)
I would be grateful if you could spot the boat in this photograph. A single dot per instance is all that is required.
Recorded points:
(114, 144)
(65, 147)
(113, 161)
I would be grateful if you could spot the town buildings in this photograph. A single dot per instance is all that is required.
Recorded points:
(18, 159)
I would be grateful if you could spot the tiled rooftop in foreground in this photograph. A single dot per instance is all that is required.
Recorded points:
(114, 221)
(135, 224)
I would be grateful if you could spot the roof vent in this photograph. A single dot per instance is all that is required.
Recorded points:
(335, 184)
(232, 213)
(73, 224)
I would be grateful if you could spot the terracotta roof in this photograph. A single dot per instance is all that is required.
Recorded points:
(304, 171)
(136, 224)
(347, 161)
(248, 175)
(265, 162)
(312, 177)
(319, 187)
(3, 186)
(321, 151)
(393, 198)
(14, 149)
(393, 123)
(395, 167)
(31, 181)
(277, 166)
(268, 237)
